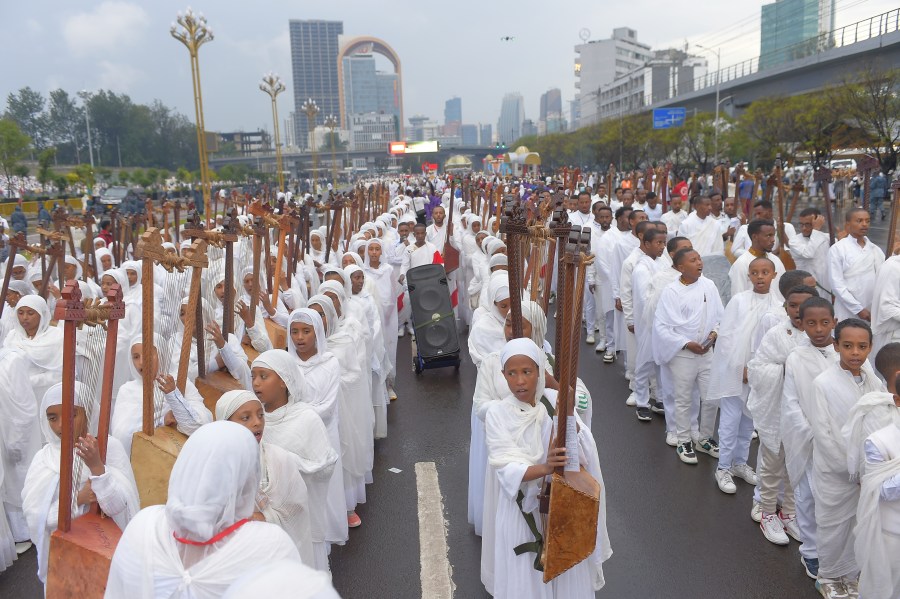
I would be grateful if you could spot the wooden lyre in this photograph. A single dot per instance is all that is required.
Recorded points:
(212, 385)
(865, 164)
(81, 549)
(611, 181)
(895, 209)
(513, 226)
(776, 181)
(823, 177)
(573, 498)
(154, 449)
(264, 219)
(450, 253)
(336, 203)
(561, 230)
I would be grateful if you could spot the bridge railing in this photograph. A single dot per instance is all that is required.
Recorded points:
(847, 35)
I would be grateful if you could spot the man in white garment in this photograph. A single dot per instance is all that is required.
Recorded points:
(625, 300)
(761, 210)
(605, 274)
(853, 264)
(624, 246)
(762, 240)
(581, 216)
(674, 217)
(809, 248)
(702, 228)
(436, 233)
(653, 208)
(600, 195)
(594, 310)
(730, 220)
(886, 304)
(653, 244)
(419, 253)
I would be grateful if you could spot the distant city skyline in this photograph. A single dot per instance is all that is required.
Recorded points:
(124, 46)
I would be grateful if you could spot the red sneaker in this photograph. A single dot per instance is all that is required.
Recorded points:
(353, 520)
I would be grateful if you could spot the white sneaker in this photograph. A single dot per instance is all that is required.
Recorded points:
(409, 328)
(831, 589)
(631, 401)
(609, 357)
(771, 527)
(671, 439)
(725, 482)
(791, 527)
(22, 547)
(590, 340)
(601, 346)
(401, 332)
(745, 472)
(756, 512)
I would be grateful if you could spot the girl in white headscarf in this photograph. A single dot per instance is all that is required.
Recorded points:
(357, 417)
(38, 341)
(322, 372)
(382, 276)
(486, 335)
(111, 485)
(478, 265)
(204, 538)
(518, 430)
(9, 319)
(20, 439)
(282, 497)
(293, 425)
(129, 325)
(186, 412)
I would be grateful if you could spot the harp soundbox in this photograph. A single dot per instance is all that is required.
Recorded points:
(81, 549)
(155, 448)
(573, 497)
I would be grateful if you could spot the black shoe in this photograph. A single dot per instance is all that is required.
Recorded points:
(644, 414)
(657, 407)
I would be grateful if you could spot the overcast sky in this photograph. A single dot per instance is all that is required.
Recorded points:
(447, 48)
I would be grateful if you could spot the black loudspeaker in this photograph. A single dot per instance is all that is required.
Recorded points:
(432, 312)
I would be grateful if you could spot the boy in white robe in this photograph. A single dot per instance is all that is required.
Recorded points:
(804, 364)
(765, 375)
(653, 244)
(762, 240)
(685, 327)
(625, 302)
(878, 516)
(837, 389)
(625, 245)
(886, 304)
(809, 248)
(702, 228)
(606, 274)
(597, 285)
(853, 264)
(729, 372)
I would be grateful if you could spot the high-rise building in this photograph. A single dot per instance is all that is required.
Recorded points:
(290, 139)
(551, 120)
(314, 52)
(371, 131)
(453, 111)
(512, 113)
(421, 128)
(529, 128)
(599, 63)
(367, 90)
(469, 134)
(485, 135)
(792, 29)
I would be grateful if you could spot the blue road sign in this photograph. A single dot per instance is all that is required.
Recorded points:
(666, 118)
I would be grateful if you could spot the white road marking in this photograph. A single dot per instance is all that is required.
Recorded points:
(434, 563)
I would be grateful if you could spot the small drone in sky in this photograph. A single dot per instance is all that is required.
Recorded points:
(507, 38)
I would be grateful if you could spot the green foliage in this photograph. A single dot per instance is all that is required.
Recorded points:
(151, 135)
(13, 148)
(61, 182)
(45, 173)
(84, 174)
(872, 104)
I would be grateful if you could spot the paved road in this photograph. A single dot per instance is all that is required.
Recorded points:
(673, 533)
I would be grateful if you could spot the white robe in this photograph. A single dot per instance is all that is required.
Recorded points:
(852, 271)
(705, 234)
(283, 497)
(740, 274)
(886, 305)
(811, 254)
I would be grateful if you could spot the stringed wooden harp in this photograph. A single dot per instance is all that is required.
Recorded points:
(155, 447)
(573, 505)
(776, 181)
(450, 253)
(81, 549)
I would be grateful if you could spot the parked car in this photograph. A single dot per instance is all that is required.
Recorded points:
(113, 196)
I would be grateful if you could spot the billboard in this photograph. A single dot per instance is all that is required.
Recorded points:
(416, 147)
(666, 118)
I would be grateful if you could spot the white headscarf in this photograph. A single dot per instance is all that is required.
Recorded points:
(331, 318)
(286, 368)
(214, 481)
(44, 348)
(311, 317)
(71, 260)
(231, 401)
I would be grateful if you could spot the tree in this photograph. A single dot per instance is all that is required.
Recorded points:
(84, 174)
(152, 177)
(873, 104)
(61, 183)
(66, 126)
(26, 108)
(124, 177)
(139, 178)
(45, 174)
(13, 148)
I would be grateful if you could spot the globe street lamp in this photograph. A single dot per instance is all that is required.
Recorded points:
(311, 110)
(192, 31)
(272, 85)
(331, 122)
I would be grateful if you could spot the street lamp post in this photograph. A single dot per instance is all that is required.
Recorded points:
(718, 52)
(311, 110)
(85, 96)
(272, 85)
(193, 33)
(331, 122)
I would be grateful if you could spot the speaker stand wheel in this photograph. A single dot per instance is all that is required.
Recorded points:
(417, 365)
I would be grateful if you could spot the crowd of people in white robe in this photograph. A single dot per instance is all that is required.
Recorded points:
(807, 360)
